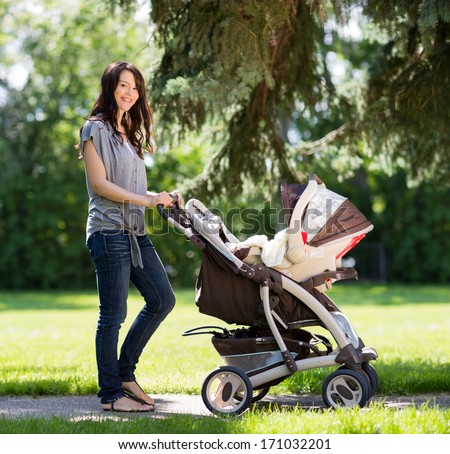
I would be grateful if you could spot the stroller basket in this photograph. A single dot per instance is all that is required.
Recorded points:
(254, 361)
(249, 350)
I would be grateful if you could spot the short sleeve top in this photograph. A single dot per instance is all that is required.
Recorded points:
(123, 168)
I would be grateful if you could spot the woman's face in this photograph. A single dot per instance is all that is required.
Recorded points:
(126, 93)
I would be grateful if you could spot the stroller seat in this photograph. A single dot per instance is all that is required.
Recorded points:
(322, 227)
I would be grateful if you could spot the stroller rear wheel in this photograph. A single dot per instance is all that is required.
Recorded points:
(345, 388)
(373, 377)
(227, 391)
(258, 394)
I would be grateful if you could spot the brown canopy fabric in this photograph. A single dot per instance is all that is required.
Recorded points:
(346, 220)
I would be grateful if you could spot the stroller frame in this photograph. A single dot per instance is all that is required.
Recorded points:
(230, 389)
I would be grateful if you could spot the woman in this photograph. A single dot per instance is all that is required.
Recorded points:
(112, 144)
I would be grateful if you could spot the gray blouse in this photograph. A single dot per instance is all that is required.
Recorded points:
(125, 169)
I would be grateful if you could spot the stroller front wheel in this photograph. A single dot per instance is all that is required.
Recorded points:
(368, 372)
(227, 391)
(345, 388)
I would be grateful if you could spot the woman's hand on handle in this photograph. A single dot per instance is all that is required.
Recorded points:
(164, 198)
(161, 198)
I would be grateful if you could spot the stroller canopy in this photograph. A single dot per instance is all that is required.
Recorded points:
(329, 216)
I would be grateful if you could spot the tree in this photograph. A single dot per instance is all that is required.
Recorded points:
(261, 70)
(248, 65)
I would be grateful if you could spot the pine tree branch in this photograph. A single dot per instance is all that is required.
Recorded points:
(309, 148)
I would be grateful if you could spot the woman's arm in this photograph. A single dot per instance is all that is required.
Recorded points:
(96, 175)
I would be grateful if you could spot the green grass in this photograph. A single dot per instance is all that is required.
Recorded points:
(372, 420)
(47, 348)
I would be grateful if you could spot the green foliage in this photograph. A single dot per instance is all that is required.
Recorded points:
(241, 63)
(407, 105)
(416, 229)
(215, 53)
(251, 64)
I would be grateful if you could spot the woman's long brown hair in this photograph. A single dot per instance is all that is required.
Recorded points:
(140, 115)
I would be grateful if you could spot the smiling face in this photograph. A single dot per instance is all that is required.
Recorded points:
(126, 93)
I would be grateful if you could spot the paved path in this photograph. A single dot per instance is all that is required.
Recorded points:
(88, 407)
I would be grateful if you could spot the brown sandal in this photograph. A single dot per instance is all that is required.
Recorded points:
(131, 395)
(145, 408)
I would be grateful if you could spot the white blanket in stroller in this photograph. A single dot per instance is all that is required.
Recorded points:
(320, 208)
(272, 251)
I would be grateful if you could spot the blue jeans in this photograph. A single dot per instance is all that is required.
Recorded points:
(111, 254)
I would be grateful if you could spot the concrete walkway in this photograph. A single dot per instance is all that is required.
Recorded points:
(88, 407)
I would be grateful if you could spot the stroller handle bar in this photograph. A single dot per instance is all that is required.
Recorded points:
(161, 211)
(160, 207)
(172, 216)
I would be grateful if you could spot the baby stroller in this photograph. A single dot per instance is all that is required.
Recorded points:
(277, 300)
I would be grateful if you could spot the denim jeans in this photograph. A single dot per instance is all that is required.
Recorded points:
(111, 254)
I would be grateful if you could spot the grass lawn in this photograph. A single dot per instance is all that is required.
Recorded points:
(47, 348)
